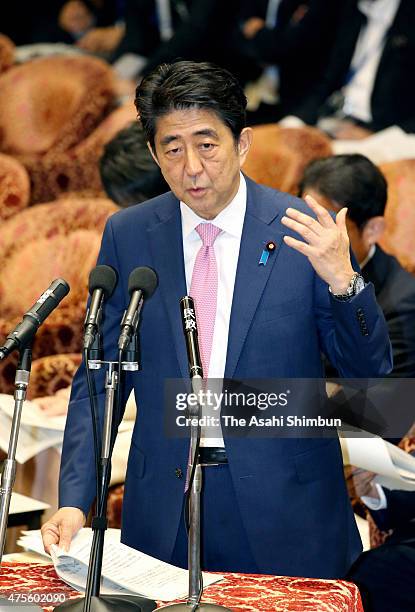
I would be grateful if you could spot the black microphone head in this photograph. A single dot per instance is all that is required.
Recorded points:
(144, 279)
(103, 277)
(60, 288)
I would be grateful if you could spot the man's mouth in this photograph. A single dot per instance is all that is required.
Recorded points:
(197, 191)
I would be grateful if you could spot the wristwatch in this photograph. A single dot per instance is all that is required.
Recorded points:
(356, 285)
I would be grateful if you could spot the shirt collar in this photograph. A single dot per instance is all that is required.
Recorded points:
(379, 10)
(229, 220)
(368, 257)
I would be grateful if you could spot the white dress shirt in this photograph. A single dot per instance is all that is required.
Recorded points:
(368, 51)
(226, 246)
(376, 504)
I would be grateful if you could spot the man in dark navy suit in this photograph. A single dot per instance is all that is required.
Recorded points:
(368, 80)
(269, 505)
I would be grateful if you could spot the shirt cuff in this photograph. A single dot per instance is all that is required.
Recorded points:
(376, 504)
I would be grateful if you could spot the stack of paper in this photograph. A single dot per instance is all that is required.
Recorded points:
(39, 431)
(124, 569)
(395, 469)
(36, 432)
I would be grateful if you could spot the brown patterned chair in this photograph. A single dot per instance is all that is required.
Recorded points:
(14, 187)
(7, 48)
(76, 170)
(114, 508)
(49, 374)
(398, 238)
(279, 155)
(42, 243)
(47, 107)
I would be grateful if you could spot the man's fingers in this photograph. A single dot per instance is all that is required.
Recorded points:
(50, 535)
(306, 232)
(65, 536)
(298, 245)
(61, 528)
(301, 218)
(341, 219)
(323, 215)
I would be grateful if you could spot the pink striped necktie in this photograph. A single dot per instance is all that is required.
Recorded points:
(204, 290)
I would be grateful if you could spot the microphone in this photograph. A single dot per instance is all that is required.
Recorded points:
(102, 281)
(141, 285)
(25, 331)
(187, 308)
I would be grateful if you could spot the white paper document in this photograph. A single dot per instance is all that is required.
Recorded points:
(39, 432)
(31, 441)
(124, 569)
(394, 467)
(385, 146)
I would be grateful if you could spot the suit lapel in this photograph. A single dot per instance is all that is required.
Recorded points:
(166, 245)
(251, 278)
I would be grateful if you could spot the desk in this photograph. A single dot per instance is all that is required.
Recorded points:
(239, 592)
(25, 511)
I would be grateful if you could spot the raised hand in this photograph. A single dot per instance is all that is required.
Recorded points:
(325, 243)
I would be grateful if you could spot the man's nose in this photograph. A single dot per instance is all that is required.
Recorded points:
(193, 164)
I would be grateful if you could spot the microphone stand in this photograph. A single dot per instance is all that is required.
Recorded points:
(93, 601)
(8, 474)
(196, 374)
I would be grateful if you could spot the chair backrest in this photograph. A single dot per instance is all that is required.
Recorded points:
(29, 270)
(399, 237)
(58, 218)
(7, 48)
(14, 187)
(51, 103)
(279, 155)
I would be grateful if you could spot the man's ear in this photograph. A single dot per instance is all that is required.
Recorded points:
(244, 143)
(153, 154)
(373, 229)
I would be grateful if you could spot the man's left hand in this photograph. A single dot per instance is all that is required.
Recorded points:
(326, 243)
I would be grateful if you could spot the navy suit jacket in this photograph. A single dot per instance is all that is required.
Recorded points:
(291, 492)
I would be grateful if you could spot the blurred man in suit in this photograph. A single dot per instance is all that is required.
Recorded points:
(267, 503)
(368, 82)
(385, 575)
(354, 181)
(158, 31)
(293, 38)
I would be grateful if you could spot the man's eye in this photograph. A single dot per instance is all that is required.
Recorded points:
(207, 146)
(174, 151)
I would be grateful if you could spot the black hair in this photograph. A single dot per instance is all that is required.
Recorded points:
(185, 85)
(349, 180)
(128, 172)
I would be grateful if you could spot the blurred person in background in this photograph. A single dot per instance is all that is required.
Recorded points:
(128, 172)
(367, 85)
(385, 575)
(158, 31)
(293, 38)
(355, 182)
(57, 21)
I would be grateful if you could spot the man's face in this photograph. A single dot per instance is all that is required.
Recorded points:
(199, 158)
(358, 242)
